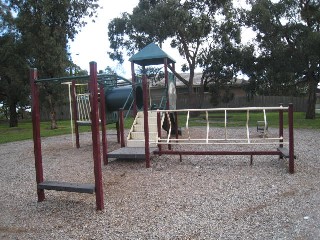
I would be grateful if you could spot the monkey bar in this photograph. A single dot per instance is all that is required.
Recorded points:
(225, 139)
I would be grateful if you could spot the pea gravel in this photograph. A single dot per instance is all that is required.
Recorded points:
(202, 197)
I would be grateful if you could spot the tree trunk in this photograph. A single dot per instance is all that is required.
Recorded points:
(54, 124)
(53, 119)
(13, 115)
(312, 99)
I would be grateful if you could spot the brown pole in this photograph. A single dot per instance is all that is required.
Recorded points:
(134, 89)
(121, 123)
(35, 110)
(291, 140)
(93, 86)
(166, 79)
(159, 130)
(145, 117)
(281, 126)
(103, 125)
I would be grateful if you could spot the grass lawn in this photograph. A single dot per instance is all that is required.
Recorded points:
(234, 119)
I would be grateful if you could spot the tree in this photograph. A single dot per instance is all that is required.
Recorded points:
(13, 77)
(288, 46)
(225, 57)
(43, 29)
(186, 24)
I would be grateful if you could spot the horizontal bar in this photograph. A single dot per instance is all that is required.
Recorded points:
(101, 77)
(173, 152)
(221, 143)
(228, 109)
(218, 139)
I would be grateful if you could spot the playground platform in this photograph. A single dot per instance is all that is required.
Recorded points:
(130, 153)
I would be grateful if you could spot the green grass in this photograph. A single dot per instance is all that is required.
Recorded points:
(236, 119)
(24, 130)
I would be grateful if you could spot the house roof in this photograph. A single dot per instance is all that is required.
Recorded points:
(151, 55)
(196, 80)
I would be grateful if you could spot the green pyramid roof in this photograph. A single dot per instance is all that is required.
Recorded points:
(150, 55)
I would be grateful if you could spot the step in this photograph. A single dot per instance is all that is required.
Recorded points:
(150, 114)
(66, 186)
(139, 143)
(130, 153)
(140, 127)
(140, 135)
(151, 120)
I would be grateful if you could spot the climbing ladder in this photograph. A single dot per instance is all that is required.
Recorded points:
(135, 148)
(135, 137)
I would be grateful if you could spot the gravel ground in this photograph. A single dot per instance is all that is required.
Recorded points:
(202, 197)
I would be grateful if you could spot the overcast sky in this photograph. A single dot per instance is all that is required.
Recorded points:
(91, 44)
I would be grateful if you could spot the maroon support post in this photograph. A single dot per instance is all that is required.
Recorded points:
(281, 126)
(103, 125)
(93, 86)
(145, 117)
(121, 126)
(36, 131)
(159, 130)
(291, 140)
(118, 131)
(176, 124)
(166, 79)
(134, 90)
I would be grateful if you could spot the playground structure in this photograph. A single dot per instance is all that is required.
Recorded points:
(118, 94)
(97, 116)
(168, 115)
(225, 140)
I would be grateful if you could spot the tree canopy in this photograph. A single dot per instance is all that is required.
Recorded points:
(287, 59)
(36, 34)
(186, 24)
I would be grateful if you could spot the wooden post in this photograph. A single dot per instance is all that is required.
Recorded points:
(35, 109)
(166, 79)
(103, 125)
(93, 86)
(75, 112)
(291, 140)
(281, 126)
(159, 131)
(121, 126)
(145, 117)
(134, 90)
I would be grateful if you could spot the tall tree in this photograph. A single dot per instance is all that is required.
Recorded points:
(13, 77)
(186, 24)
(225, 57)
(288, 46)
(44, 28)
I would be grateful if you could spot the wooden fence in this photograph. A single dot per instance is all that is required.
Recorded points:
(299, 103)
(183, 101)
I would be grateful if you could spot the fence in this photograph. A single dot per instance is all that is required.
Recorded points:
(299, 103)
(183, 101)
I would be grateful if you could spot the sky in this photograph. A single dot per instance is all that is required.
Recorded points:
(91, 44)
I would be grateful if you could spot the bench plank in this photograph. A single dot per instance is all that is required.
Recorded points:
(68, 187)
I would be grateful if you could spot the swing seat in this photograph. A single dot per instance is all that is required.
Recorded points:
(84, 123)
(262, 126)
